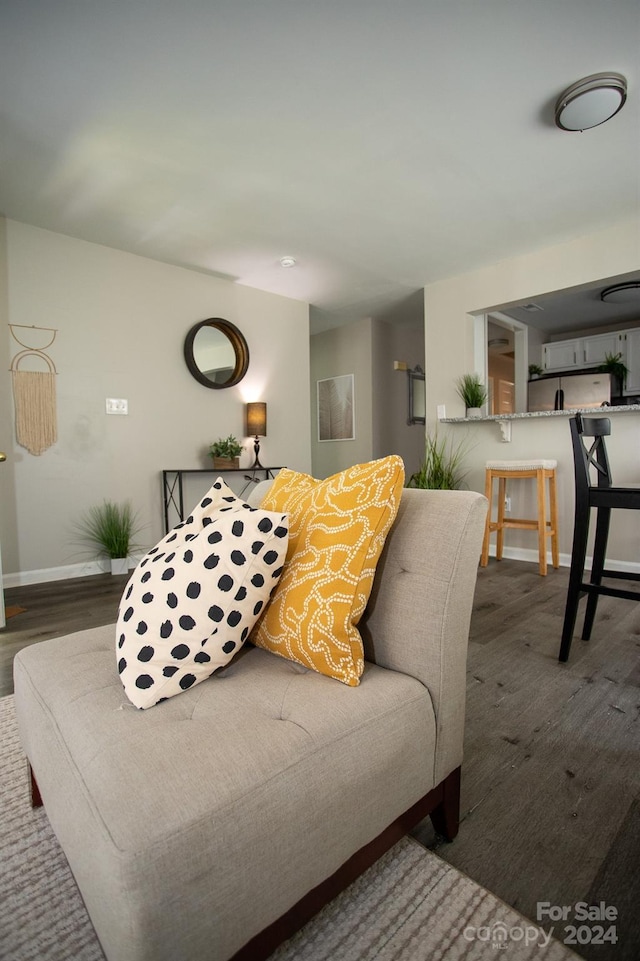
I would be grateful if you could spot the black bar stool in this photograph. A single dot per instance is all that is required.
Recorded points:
(604, 497)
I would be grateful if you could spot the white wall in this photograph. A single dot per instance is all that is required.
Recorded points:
(6, 478)
(121, 323)
(391, 433)
(343, 350)
(367, 349)
(449, 346)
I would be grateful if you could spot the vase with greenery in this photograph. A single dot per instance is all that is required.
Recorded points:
(226, 453)
(614, 364)
(473, 392)
(535, 370)
(441, 468)
(110, 529)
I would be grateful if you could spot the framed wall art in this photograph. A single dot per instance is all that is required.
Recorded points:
(336, 415)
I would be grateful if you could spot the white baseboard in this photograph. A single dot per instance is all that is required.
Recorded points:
(531, 556)
(86, 569)
(23, 578)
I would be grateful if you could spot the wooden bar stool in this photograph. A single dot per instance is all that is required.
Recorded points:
(508, 470)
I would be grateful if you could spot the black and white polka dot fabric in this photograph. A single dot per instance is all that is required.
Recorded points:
(192, 600)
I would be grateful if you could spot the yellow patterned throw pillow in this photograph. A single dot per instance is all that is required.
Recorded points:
(337, 529)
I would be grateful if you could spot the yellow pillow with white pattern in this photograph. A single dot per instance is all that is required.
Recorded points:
(337, 529)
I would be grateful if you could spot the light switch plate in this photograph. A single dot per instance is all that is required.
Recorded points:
(116, 405)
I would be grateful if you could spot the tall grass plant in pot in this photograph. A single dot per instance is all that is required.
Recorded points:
(442, 467)
(472, 391)
(110, 528)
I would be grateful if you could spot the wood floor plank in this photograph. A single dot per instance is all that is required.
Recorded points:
(617, 883)
(53, 609)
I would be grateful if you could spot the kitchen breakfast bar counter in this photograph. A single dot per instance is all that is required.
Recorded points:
(504, 421)
(546, 435)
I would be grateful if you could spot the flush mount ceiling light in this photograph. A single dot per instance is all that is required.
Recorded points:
(591, 101)
(622, 293)
(287, 262)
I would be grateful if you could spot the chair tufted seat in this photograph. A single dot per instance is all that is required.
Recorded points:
(172, 798)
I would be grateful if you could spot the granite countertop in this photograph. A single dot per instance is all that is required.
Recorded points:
(534, 414)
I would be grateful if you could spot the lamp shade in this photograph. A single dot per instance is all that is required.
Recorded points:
(257, 419)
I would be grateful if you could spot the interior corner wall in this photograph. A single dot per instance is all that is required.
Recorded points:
(121, 322)
(392, 434)
(7, 482)
(343, 350)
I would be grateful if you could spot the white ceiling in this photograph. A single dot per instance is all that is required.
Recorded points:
(384, 145)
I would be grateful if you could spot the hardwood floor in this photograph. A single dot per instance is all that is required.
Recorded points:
(551, 775)
(53, 609)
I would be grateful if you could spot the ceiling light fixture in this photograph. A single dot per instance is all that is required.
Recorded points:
(287, 262)
(591, 101)
(622, 293)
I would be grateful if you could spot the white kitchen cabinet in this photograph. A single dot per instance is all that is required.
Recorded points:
(594, 349)
(560, 355)
(631, 357)
(584, 352)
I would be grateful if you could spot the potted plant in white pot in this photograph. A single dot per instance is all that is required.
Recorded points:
(473, 392)
(226, 453)
(111, 528)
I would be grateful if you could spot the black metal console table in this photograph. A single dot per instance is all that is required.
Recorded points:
(172, 488)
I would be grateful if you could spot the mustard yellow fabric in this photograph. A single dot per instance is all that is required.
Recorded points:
(337, 529)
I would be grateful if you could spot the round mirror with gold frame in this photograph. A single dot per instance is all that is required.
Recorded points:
(216, 353)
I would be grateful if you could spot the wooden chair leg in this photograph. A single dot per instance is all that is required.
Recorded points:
(502, 493)
(542, 523)
(553, 510)
(488, 490)
(597, 567)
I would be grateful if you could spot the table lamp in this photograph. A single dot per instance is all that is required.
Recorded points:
(256, 427)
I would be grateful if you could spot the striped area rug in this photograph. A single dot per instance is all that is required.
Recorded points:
(410, 906)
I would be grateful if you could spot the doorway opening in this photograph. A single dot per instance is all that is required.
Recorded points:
(507, 364)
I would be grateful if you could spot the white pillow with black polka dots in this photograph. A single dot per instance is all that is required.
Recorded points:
(192, 600)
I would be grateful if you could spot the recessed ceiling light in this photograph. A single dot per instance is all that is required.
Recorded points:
(591, 101)
(287, 262)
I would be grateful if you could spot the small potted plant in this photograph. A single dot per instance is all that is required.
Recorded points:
(473, 392)
(614, 364)
(535, 370)
(226, 453)
(110, 528)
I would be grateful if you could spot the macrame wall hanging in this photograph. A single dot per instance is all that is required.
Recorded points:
(34, 394)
